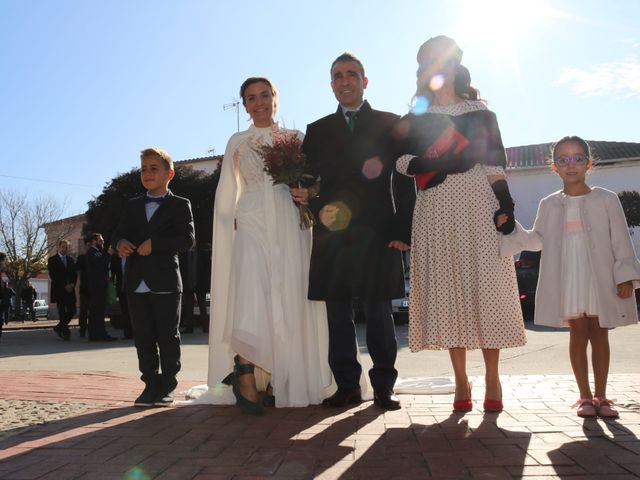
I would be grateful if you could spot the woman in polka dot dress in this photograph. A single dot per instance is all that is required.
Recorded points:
(464, 295)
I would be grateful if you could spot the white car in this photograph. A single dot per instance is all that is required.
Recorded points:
(40, 308)
(400, 306)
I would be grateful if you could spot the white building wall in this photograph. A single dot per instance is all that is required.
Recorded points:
(41, 286)
(528, 187)
(208, 166)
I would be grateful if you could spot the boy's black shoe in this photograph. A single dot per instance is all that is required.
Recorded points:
(164, 400)
(146, 398)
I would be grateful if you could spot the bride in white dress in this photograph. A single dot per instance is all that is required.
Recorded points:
(260, 315)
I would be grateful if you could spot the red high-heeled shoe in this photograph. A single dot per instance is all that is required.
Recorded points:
(493, 405)
(463, 406)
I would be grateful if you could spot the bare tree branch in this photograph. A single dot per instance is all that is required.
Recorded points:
(22, 234)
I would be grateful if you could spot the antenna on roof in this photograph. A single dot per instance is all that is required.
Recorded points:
(235, 104)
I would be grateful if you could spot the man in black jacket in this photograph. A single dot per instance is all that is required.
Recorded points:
(28, 296)
(97, 276)
(63, 275)
(365, 223)
(3, 257)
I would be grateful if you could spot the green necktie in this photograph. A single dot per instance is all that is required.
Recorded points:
(351, 119)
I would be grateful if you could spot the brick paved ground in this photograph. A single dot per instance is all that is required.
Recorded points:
(94, 433)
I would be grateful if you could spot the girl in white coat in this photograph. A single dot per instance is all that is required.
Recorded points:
(588, 270)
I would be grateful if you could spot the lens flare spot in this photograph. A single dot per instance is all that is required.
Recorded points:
(136, 473)
(372, 168)
(420, 105)
(436, 82)
(338, 218)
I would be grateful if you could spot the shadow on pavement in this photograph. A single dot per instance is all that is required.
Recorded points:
(456, 447)
(183, 442)
(601, 452)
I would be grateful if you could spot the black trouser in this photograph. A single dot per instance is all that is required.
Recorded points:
(201, 298)
(127, 329)
(97, 300)
(186, 310)
(155, 318)
(29, 313)
(66, 311)
(83, 311)
(381, 343)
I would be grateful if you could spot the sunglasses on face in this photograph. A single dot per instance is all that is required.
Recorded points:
(565, 160)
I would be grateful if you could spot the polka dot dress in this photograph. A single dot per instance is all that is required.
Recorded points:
(463, 294)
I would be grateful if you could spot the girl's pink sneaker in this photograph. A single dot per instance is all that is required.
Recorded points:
(605, 408)
(586, 408)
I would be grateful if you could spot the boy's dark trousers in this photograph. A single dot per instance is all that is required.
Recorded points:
(155, 318)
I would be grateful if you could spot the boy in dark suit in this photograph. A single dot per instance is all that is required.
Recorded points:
(63, 275)
(153, 230)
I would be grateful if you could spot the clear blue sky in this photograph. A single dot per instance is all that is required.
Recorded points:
(86, 84)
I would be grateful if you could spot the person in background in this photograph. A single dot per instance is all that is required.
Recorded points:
(6, 294)
(98, 276)
(28, 296)
(203, 285)
(3, 258)
(117, 279)
(63, 275)
(188, 274)
(83, 291)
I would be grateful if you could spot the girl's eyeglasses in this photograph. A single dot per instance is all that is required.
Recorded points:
(565, 160)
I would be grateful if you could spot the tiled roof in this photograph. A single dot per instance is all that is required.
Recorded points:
(535, 156)
(201, 159)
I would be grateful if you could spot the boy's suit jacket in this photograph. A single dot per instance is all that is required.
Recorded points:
(356, 171)
(171, 231)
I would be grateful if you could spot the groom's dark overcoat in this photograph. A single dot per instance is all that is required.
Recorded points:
(357, 173)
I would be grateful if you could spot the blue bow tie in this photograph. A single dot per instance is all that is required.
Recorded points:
(158, 200)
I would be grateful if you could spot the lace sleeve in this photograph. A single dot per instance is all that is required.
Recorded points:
(402, 164)
(493, 170)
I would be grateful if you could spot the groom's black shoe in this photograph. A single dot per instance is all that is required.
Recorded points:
(343, 398)
(386, 400)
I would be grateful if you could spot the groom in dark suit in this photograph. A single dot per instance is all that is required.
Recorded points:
(365, 213)
(63, 275)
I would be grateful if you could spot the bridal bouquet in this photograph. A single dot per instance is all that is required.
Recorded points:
(287, 165)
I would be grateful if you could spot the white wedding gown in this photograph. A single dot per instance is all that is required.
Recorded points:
(260, 276)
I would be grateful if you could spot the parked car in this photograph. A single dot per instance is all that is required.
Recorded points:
(527, 267)
(400, 306)
(40, 308)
